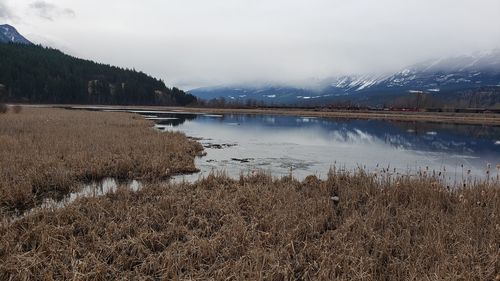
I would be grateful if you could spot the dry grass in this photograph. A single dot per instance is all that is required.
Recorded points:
(255, 228)
(48, 152)
(258, 228)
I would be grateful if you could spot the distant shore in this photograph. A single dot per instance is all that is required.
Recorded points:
(487, 119)
(490, 119)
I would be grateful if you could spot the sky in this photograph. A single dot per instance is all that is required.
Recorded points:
(196, 43)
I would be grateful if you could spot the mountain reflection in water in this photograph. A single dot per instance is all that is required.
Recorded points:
(311, 145)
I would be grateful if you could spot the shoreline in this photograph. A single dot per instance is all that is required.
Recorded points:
(447, 118)
(484, 119)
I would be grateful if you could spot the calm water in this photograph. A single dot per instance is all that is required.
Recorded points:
(238, 143)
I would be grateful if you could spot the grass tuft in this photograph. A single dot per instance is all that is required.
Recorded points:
(50, 152)
(260, 228)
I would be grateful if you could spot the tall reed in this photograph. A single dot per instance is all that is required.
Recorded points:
(49, 152)
(348, 227)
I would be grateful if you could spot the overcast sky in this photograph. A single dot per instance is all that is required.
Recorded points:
(191, 43)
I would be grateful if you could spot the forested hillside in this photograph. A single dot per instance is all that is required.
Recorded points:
(36, 74)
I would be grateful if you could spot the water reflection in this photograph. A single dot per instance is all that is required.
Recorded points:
(92, 189)
(167, 119)
(310, 145)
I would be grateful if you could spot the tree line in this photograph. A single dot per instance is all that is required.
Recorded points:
(36, 74)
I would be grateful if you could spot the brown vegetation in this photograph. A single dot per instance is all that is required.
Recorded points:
(50, 151)
(17, 109)
(349, 227)
(3, 106)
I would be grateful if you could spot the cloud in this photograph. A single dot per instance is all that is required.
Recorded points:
(50, 11)
(191, 43)
(5, 11)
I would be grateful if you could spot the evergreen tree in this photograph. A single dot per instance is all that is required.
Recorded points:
(37, 74)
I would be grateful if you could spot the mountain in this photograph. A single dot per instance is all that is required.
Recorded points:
(268, 94)
(445, 77)
(35, 74)
(9, 34)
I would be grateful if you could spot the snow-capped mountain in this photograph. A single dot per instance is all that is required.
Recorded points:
(268, 93)
(433, 76)
(442, 76)
(9, 34)
(472, 70)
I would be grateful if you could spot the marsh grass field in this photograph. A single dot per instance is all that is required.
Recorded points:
(350, 226)
(51, 152)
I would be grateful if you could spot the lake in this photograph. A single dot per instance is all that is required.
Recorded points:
(302, 145)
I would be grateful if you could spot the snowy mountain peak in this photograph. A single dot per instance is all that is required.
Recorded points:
(442, 76)
(484, 60)
(9, 34)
